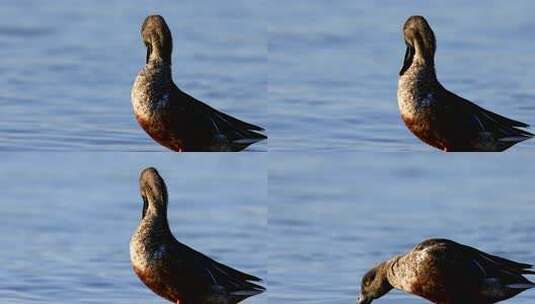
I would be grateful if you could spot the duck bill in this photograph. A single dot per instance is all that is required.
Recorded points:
(363, 300)
(145, 207)
(407, 61)
(149, 51)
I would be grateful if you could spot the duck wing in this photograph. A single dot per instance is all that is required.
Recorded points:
(494, 264)
(199, 273)
(468, 275)
(205, 123)
(505, 130)
(486, 263)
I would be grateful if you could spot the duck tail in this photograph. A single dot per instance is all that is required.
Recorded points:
(240, 285)
(238, 297)
(529, 271)
(253, 291)
(505, 143)
(522, 285)
(240, 133)
(248, 137)
(246, 290)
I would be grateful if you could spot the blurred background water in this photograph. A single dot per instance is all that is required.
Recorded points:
(333, 217)
(66, 222)
(68, 67)
(333, 67)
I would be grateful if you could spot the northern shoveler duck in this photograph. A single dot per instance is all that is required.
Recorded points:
(439, 117)
(173, 270)
(173, 118)
(446, 272)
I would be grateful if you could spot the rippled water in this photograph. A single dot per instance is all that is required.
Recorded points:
(331, 218)
(319, 77)
(67, 221)
(68, 67)
(333, 69)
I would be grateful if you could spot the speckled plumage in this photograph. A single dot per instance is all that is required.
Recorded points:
(415, 92)
(173, 118)
(173, 270)
(439, 117)
(446, 272)
(154, 84)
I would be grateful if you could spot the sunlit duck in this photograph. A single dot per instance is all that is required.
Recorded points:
(173, 118)
(446, 272)
(436, 115)
(173, 270)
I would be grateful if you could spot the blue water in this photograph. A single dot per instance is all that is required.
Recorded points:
(332, 217)
(68, 68)
(67, 221)
(319, 77)
(333, 69)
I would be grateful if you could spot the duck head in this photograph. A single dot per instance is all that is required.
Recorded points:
(154, 192)
(374, 284)
(420, 41)
(157, 37)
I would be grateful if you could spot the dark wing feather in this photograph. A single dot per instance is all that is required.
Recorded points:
(472, 273)
(237, 283)
(499, 125)
(209, 273)
(221, 123)
(488, 261)
(501, 119)
(231, 120)
(492, 262)
(231, 272)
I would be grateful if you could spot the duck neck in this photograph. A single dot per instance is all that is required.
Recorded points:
(155, 222)
(420, 74)
(392, 272)
(158, 68)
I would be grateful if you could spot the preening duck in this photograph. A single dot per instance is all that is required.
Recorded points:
(173, 270)
(173, 118)
(439, 117)
(445, 272)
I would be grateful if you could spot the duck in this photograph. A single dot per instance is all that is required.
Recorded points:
(173, 270)
(446, 272)
(439, 117)
(173, 118)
